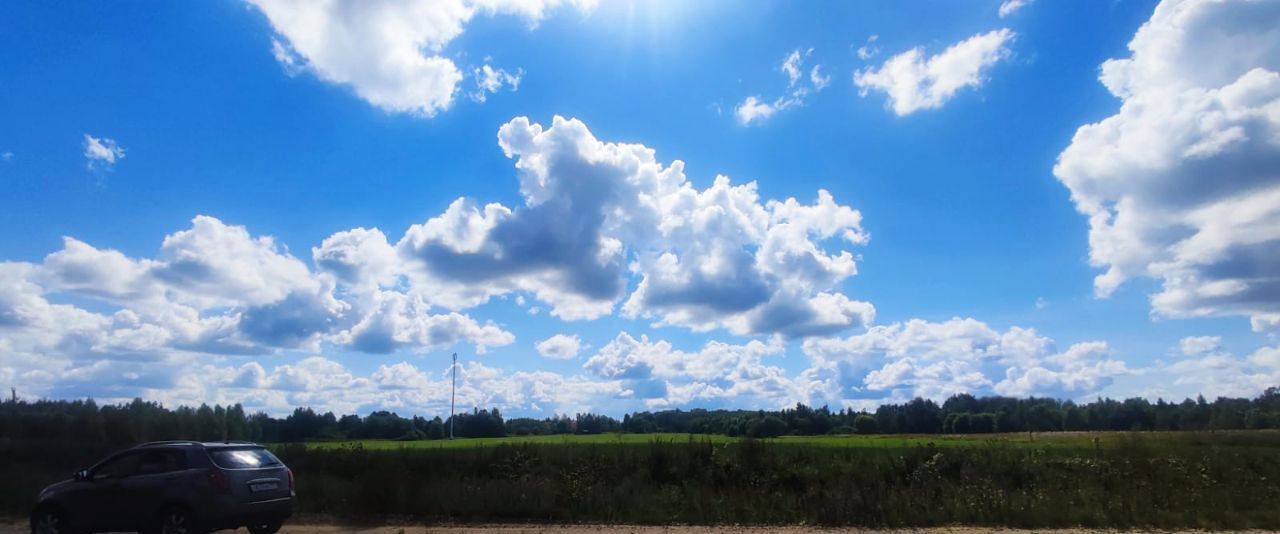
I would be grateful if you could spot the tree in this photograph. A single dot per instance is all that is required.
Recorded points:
(865, 424)
(982, 423)
(769, 427)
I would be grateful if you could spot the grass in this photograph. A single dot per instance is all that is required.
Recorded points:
(1022, 439)
(1166, 480)
(1113, 480)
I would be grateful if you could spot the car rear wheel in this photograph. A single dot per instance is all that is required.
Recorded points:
(176, 520)
(49, 520)
(265, 528)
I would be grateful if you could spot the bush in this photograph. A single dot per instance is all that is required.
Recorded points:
(982, 423)
(865, 424)
(767, 427)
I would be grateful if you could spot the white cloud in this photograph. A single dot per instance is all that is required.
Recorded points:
(1195, 345)
(1083, 369)
(216, 289)
(395, 320)
(359, 257)
(101, 153)
(288, 59)
(7, 156)
(936, 360)
(792, 67)
(1181, 184)
(816, 78)
(1218, 374)
(390, 53)
(663, 376)
(914, 82)
(1008, 7)
(597, 220)
(560, 347)
(869, 50)
(326, 384)
(490, 80)
(754, 110)
(598, 212)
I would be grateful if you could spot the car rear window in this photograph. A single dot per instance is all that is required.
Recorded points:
(246, 458)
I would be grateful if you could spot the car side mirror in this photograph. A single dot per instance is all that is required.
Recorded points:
(82, 474)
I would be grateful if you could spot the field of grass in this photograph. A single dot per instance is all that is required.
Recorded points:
(1116, 480)
(1039, 440)
(1164, 480)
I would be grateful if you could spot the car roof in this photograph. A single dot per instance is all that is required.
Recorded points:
(229, 444)
(197, 444)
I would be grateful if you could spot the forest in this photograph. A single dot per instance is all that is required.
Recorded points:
(85, 421)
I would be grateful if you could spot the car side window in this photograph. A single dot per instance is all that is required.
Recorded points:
(161, 461)
(118, 467)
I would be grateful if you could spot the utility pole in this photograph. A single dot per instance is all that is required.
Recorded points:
(453, 394)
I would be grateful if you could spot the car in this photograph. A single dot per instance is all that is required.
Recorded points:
(172, 487)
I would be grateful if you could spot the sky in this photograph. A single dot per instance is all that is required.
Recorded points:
(635, 205)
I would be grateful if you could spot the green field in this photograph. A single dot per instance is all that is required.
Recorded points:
(1202, 480)
(1039, 440)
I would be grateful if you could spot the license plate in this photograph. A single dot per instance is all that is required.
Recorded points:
(264, 486)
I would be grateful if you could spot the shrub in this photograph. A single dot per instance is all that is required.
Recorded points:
(767, 427)
(865, 424)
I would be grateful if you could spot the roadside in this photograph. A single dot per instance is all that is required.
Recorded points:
(17, 526)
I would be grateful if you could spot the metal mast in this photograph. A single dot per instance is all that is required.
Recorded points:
(453, 394)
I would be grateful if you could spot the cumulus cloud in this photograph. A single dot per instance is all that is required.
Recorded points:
(1008, 7)
(216, 289)
(100, 153)
(664, 376)
(754, 109)
(390, 53)
(560, 347)
(1181, 185)
(1082, 369)
(1217, 373)
(939, 359)
(597, 214)
(914, 82)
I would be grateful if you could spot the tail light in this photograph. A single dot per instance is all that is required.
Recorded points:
(220, 482)
(290, 471)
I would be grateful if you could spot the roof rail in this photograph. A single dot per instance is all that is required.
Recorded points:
(167, 442)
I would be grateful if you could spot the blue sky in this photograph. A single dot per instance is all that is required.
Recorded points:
(948, 135)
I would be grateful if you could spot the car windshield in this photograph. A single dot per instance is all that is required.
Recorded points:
(246, 458)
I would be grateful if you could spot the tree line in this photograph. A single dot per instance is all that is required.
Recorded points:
(86, 421)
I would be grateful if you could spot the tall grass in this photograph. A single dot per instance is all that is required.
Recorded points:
(1209, 481)
(1201, 481)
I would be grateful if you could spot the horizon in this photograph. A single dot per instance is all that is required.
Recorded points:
(615, 207)
(619, 417)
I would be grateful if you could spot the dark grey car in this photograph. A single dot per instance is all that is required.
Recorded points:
(172, 487)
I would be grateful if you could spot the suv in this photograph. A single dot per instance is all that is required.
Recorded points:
(172, 487)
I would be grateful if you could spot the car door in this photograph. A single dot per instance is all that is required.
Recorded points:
(102, 500)
(155, 482)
